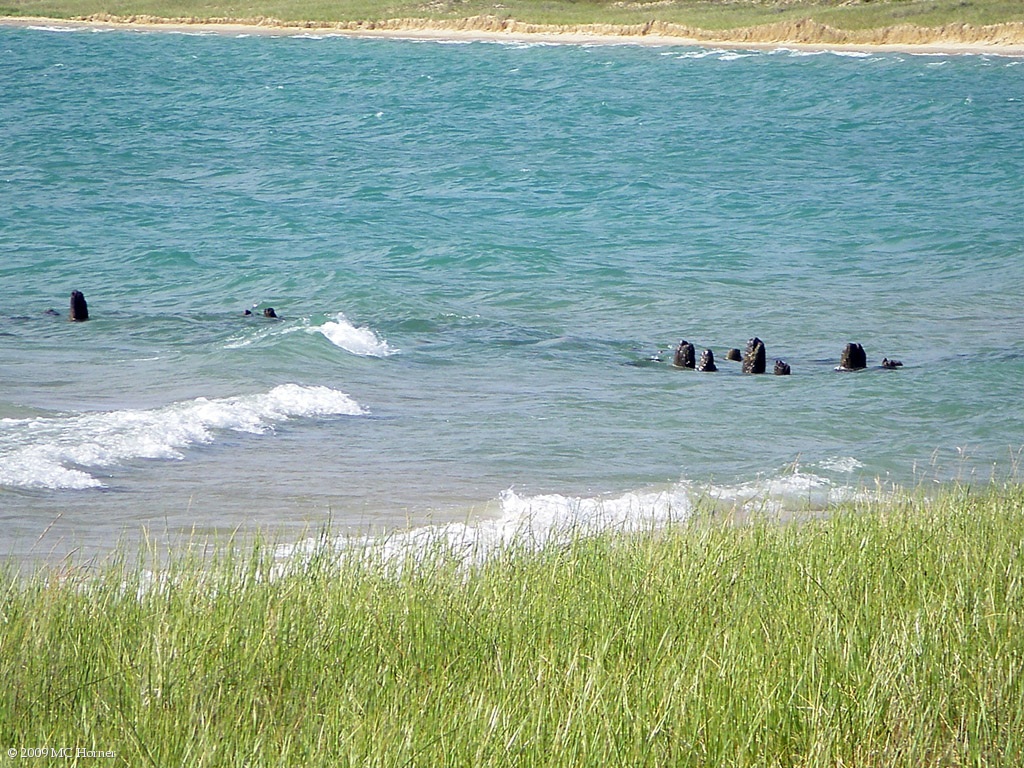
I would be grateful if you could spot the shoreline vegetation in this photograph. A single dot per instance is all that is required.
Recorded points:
(889, 633)
(912, 25)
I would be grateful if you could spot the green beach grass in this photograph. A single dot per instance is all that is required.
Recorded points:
(887, 634)
(951, 20)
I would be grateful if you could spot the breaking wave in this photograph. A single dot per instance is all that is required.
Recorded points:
(361, 341)
(59, 452)
(532, 522)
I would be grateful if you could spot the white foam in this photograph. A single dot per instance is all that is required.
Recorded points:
(734, 55)
(698, 54)
(523, 521)
(840, 464)
(721, 54)
(361, 341)
(57, 452)
(795, 52)
(531, 522)
(246, 339)
(55, 28)
(852, 54)
(794, 489)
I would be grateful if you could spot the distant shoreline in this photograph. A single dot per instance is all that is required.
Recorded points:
(1000, 39)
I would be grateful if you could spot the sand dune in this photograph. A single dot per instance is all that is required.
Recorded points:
(1005, 38)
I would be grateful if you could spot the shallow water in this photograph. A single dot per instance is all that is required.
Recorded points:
(482, 255)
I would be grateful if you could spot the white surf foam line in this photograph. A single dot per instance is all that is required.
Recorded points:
(795, 490)
(846, 464)
(58, 452)
(359, 341)
(532, 522)
(735, 55)
(54, 28)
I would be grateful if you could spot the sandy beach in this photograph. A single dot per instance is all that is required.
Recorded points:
(1001, 39)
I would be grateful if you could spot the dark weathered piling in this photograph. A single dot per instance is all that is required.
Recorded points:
(79, 308)
(754, 358)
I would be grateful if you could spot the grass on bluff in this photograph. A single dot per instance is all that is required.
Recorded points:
(703, 14)
(889, 634)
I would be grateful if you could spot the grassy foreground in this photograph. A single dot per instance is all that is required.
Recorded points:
(887, 635)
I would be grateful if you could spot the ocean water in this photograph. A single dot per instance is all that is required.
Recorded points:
(482, 256)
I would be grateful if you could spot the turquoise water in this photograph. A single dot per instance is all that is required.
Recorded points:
(482, 255)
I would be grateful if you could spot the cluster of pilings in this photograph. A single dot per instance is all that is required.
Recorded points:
(754, 359)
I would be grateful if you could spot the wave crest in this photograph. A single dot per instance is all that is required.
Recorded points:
(57, 452)
(362, 341)
(532, 522)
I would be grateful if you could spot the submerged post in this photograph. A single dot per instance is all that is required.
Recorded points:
(684, 355)
(707, 362)
(853, 358)
(754, 358)
(79, 308)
